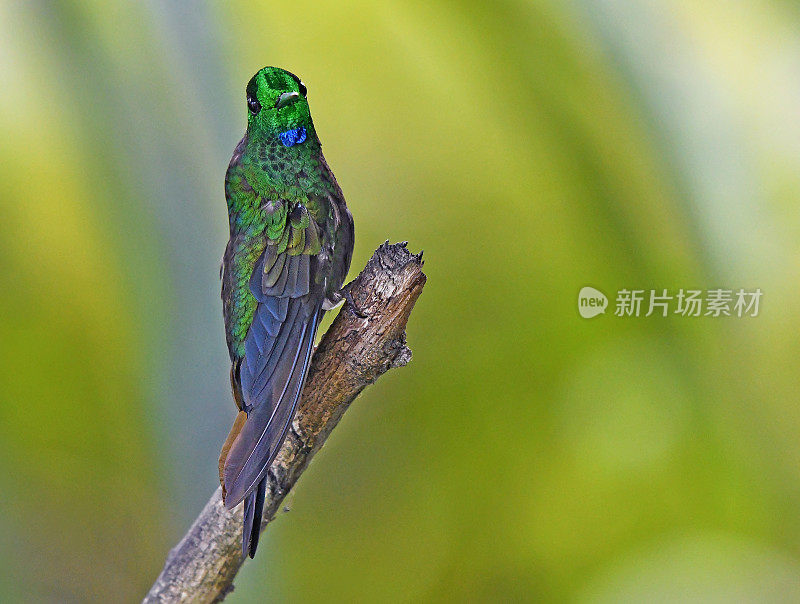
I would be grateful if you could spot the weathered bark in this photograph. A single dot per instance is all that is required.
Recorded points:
(353, 353)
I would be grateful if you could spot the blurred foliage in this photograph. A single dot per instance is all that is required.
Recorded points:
(530, 148)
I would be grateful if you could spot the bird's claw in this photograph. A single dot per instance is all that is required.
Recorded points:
(344, 295)
(353, 306)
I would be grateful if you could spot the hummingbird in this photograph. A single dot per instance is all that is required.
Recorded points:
(291, 242)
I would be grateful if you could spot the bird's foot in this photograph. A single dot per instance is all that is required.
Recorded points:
(344, 295)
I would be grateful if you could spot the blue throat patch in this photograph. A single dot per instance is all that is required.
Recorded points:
(295, 136)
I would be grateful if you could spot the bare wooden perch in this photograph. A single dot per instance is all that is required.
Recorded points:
(352, 354)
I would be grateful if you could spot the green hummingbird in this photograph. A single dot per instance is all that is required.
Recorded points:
(291, 241)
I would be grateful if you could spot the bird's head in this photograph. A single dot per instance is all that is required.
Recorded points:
(277, 107)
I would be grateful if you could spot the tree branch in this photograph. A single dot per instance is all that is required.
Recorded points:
(352, 354)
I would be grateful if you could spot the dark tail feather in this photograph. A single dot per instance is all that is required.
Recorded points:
(253, 510)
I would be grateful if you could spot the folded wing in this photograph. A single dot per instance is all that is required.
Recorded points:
(278, 348)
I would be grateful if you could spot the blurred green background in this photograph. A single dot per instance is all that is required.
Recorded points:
(530, 148)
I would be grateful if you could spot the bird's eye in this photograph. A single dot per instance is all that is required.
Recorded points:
(253, 105)
(303, 90)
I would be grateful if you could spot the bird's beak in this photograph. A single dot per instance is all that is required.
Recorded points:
(287, 98)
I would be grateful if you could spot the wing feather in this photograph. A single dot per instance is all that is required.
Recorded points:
(265, 429)
(277, 349)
